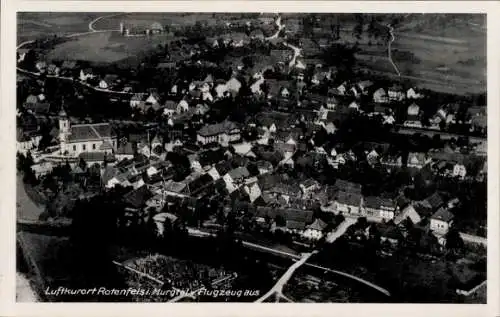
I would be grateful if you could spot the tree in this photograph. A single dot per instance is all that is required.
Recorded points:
(454, 243)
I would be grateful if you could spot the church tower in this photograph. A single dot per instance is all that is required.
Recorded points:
(122, 28)
(64, 127)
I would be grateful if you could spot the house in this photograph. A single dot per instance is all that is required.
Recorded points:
(161, 218)
(413, 94)
(384, 208)
(433, 202)
(182, 106)
(52, 69)
(137, 99)
(169, 108)
(41, 66)
(417, 160)
(235, 178)
(390, 233)
(346, 186)
(348, 202)
(108, 81)
(441, 221)
(81, 138)
(364, 86)
(85, 74)
(223, 133)
(153, 99)
(409, 212)
(253, 191)
(264, 167)
(380, 96)
(233, 86)
(309, 186)
(413, 116)
(136, 199)
(124, 151)
(42, 168)
(315, 230)
(396, 93)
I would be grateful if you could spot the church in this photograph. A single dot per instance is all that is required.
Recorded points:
(85, 138)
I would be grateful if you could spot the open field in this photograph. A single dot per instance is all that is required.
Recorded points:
(145, 19)
(33, 25)
(105, 47)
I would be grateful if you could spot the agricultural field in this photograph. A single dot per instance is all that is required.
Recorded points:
(447, 55)
(172, 19)
(33, 25)
(105, 47)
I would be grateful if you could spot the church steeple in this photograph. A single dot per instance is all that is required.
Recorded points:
(64, 125)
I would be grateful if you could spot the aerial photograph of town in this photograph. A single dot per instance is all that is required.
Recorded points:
(251, 157)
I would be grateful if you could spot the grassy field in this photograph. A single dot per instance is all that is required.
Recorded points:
(107, 47)
(147, 18)
(33, 25)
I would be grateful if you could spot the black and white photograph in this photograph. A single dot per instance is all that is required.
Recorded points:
(251, 157)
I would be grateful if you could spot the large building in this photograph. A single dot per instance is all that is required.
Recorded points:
(85, 138)
(222, 133)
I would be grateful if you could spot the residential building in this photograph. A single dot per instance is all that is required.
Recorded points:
(441, 221)
(384, 208)
(315, 230)
(223, 133)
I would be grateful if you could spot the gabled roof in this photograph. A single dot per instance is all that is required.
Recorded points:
(318, 224)
(376, 202)
(346, 186)
(434, 201)
(238, 173)
(90, 132)
(351, 198)
(219, 128)
(443, 215)
(138, 197)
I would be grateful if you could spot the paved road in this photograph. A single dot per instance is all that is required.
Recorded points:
(278, 287)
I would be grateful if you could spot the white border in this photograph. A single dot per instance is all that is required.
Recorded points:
(8, 307)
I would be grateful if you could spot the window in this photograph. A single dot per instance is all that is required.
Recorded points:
(83, 147)
(74, 147)
(93, 146)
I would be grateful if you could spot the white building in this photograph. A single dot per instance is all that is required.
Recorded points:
(441, 221)
(81, 138)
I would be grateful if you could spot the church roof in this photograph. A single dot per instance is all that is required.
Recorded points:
(90, 132)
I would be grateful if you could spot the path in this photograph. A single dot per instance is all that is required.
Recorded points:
(278, 287)
(389, 54)
(341, 229)
(91, 24)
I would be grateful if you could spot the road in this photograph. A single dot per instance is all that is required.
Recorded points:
(389, 53)
(278, 287)
(280, 27)
(91, 24)
(341, 229)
